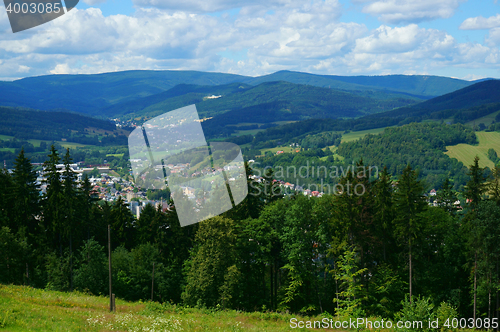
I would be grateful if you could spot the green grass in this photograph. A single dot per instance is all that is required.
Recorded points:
(466, 153)
(26, 309)
(252, 132)
(487, 120)
(36, 142)
(8, 150)
(355, 135)
(286, 149)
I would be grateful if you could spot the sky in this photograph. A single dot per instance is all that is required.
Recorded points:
(453, 38)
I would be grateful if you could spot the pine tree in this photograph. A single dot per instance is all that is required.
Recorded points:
(52, 204)
(474, 192)
(69, 192)
(446, 197)
(409, 203)
(475, 187)
(27, 196)
(384, 211)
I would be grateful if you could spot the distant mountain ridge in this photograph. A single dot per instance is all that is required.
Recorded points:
(90, 93)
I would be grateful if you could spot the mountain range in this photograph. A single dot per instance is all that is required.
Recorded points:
(97, 94)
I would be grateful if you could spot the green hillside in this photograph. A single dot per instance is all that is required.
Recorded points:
(466, 153)
(27, 309)
(473, 98)
(179, 96)
(24, 123)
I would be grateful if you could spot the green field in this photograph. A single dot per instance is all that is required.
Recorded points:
(252, 132)
(36, 142)
(27, 309)
(286, 149)
(487, 120)
(355, 135)
(466, 153)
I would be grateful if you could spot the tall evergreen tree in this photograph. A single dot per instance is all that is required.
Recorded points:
(69, 199)
(475, 187)
(409, 203)
(52, 204)
(27, 196)
(474, 191)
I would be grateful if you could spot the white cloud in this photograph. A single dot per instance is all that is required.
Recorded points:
(302, 36)
(409, 11)
(493, 38)
(476, 23)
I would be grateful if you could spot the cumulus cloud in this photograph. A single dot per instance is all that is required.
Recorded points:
(477, 23)
(294, 35)
(409, 11)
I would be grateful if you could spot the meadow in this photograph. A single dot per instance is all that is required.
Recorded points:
(466, 153)
(24, 308)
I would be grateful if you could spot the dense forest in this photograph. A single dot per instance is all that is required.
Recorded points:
(346, 254)
(421, 145)
(26, 124)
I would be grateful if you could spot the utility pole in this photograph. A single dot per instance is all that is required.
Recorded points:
(152, 281)
(109, 260)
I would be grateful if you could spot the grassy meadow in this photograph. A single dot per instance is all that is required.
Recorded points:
(466, 153)
(355, 135)
(36, 142)
(27, 309)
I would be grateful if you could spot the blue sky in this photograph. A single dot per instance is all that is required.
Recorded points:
(454, 38)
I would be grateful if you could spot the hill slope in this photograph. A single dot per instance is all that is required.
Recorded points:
(465, 104)
(33, 124)
(30, 309)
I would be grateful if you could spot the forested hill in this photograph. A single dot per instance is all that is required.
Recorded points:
(475, 97)
(421, 145)
(24, 123)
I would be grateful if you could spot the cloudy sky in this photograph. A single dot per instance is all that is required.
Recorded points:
(455, 38)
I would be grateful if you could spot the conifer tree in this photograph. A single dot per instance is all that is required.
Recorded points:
(27, 196)
(409, 203)
(52, 210)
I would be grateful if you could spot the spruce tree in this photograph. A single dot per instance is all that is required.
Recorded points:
(409, 203)
(52, 203)
(27, 196)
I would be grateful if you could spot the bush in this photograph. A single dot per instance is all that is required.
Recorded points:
(419, 310)
(444, 312)
(92, 275)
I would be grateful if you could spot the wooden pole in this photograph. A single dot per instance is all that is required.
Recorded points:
(109, 261)
(152, 281)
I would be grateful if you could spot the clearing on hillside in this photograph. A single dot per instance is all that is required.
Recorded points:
(466, 153)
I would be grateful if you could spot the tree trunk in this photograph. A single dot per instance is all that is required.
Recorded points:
(411, 273)
(70, 263)
(475, 285)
